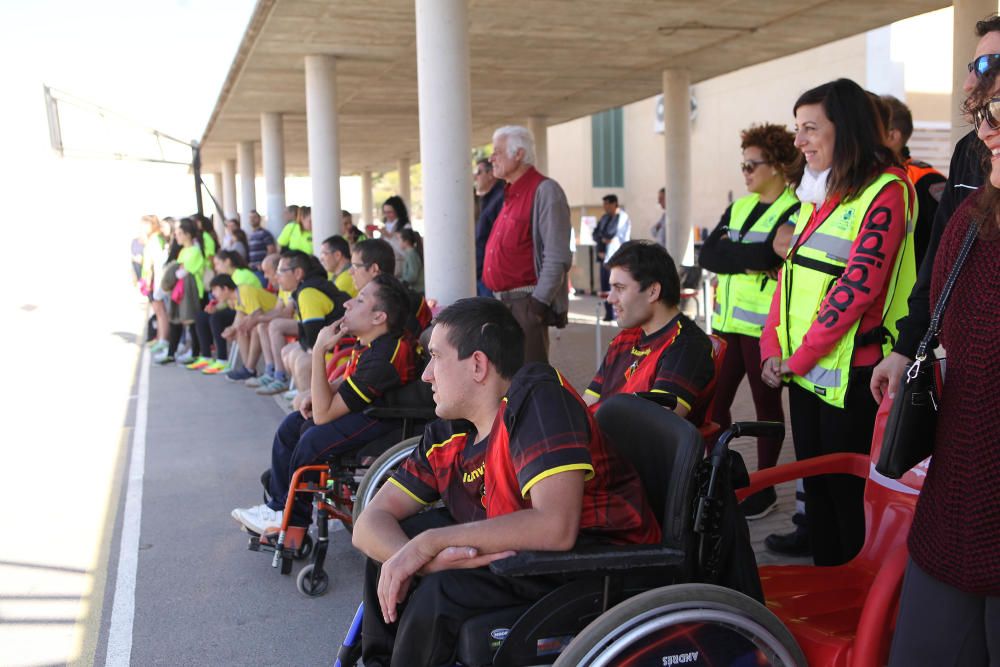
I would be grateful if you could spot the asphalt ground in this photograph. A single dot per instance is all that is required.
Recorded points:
(201, 598)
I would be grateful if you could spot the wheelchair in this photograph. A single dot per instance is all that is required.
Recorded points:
(335, 486)
(665, 604)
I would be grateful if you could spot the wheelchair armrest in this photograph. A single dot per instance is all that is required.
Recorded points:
(591, 559)
(843, 463)
(661, 398)
(758, 429)
(399, 412)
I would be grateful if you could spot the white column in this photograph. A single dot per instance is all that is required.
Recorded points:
(539, 127)
(404, 182)
(366, 199)
(218, 224)
(445, 147)
(272, 152)
(966, 13)
(677, 144)
(229, 188)
(246, 165)
(324, 148)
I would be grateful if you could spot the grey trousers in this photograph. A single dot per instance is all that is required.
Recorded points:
(940, 626)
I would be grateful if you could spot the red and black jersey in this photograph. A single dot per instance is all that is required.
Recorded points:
(448, 465)
(676, 359)
(386, 363)
(543, 428)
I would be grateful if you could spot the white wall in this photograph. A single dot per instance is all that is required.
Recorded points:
(726, 104)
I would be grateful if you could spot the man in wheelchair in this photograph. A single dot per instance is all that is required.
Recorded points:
(331, 420)
(659, 348)
(519, 464)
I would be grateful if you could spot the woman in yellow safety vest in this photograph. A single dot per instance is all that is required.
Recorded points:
(843, 285)
(740, 251)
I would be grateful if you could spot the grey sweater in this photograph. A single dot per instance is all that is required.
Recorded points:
(550, 234)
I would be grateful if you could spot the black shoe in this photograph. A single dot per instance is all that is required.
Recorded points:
(795, 543)
(760, 504)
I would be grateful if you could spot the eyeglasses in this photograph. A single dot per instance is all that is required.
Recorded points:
(284, 269)
(989, 113)
(359, 266)
(748, 166)
(982, 64)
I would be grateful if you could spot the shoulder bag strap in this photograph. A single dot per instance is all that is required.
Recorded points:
(935, 325)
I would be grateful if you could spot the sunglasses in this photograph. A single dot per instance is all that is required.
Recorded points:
(988, 113)
(982, 64)
(748, 166)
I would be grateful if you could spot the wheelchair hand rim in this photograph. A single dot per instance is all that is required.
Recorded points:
(608, 653)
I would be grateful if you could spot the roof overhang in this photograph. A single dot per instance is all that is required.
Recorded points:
(561, 59)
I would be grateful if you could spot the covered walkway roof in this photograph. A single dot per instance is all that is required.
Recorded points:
(560, 59)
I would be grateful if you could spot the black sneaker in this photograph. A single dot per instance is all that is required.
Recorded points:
(760, 504)
(795, 543)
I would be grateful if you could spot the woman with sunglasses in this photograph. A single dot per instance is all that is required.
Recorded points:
(950, 602)
(740, 251)
(842, 288)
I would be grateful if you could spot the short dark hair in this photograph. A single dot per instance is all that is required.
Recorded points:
(296, 259)
(989, 24)
(393, 299)
(859, 150)
(222, 280)
(377, 251)
(649, 263)
(610, 199)
(486, 164)
(900, 117)
(485, 325)
(338, 243)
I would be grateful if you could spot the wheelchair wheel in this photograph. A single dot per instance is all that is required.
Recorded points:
(310, 586)
(380, 471)
(685, 624)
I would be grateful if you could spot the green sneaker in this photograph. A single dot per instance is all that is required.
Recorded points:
(216, 367)
(198, 364)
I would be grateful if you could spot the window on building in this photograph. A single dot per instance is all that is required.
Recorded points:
(607, 153)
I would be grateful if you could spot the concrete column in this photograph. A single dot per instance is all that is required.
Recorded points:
(246, 164)
(445, 147)
(403, 168)
(539, 127)
(324, 147)
(272, 152)
(677, 144)
(229, 188)
(218, 224)
(366, 199)
(966, 13)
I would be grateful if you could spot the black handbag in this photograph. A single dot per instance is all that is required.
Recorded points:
(912, 424)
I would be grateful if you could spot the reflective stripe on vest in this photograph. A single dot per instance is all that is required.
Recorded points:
(742, 300)
(814, 268)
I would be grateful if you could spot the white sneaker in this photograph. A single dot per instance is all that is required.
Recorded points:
(185, 358)
(259, 518)
(290, 394)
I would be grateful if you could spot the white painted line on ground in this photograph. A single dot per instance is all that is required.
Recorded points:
(119, 652)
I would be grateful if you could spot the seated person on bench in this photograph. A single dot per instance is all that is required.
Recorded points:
(659, 348)
(520, 465)
(332, 420)
(249, 302)
(374, 256)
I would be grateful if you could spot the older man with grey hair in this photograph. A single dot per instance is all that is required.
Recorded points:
(527, 255)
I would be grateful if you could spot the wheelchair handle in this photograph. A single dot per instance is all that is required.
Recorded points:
(662, 398)
(745, 430)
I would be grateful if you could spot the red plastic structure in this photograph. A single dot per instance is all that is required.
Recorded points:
(844, 616)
